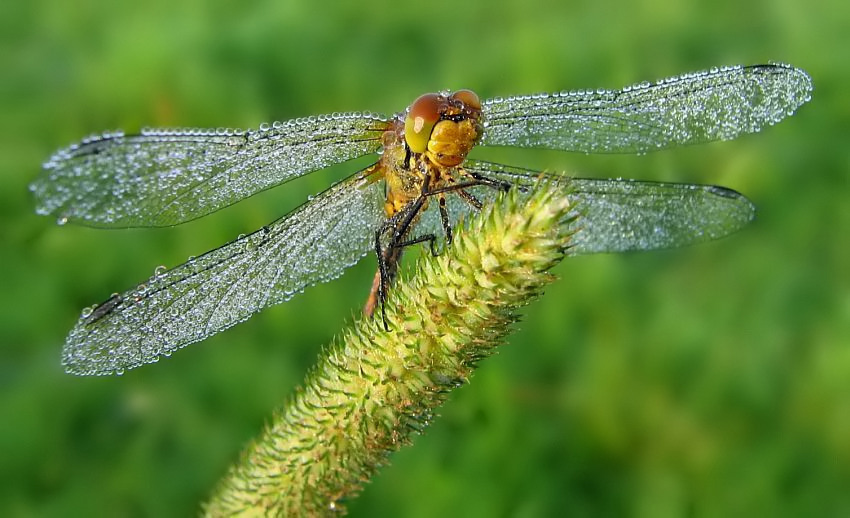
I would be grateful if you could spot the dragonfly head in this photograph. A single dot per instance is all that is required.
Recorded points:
(444, 126)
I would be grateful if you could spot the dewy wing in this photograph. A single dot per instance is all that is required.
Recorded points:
(164, 177)
(719, 104)
(225, 286)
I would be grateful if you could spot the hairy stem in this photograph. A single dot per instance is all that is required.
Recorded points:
(372, 389)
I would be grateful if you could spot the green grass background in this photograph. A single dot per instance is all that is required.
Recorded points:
(712, 381)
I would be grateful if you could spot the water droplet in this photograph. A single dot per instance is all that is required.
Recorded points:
(61, 220)
(159, 270)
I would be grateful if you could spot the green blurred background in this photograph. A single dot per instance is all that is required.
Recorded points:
(712, 381)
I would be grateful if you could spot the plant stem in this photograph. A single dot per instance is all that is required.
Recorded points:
(373, 389)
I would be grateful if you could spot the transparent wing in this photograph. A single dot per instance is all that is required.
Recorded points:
(223, 287)
(719, 104)
(621, 215)
(165, 177)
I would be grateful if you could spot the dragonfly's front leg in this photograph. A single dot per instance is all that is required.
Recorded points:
(480, 179)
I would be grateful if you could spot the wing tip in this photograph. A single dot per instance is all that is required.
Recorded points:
(797, 82)
(745, 209)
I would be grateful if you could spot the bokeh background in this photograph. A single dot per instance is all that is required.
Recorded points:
(712, 381)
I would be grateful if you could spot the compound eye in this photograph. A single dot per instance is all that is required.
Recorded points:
(424, 113)
(469, 98)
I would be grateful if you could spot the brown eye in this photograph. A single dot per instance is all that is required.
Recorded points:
(424, 113)
(469, 98)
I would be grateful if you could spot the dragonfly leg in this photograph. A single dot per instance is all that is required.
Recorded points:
(486, 180)
(470, 199)
(378, 293)
(444, 219)
(460, 189)
(431, 238)
(477, 179)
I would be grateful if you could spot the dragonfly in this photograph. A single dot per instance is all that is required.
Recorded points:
(420, 186)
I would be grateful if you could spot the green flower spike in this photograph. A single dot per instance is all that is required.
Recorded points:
(372, 389)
